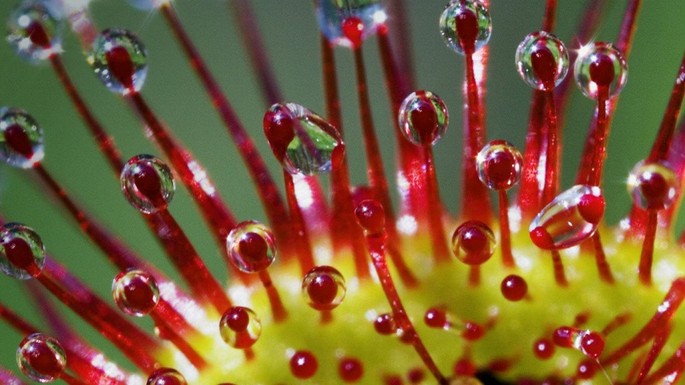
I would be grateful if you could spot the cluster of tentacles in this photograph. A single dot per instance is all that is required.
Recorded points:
(340, 286)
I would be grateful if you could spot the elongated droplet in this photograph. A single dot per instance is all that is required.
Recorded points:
(499, 165)
(240, 327)
(35, 30)
(588, 342)
(465, 26)
(147, 183)
(22, 253)
(135, 292)
(598, 65)
(423, 118)
(569, 219)
(41, 358)
(349, 22)
(301, 140)
(653, 186)
(251, 247)
(21, 138)
(119, 60)
(542, 60)
(323, 287)
(473, 243)
(166, 376)
(439, 318)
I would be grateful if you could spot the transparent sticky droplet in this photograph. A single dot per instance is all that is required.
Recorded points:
(240, 327)
(21, 138)
(499, 165)
(323, 288)
(35, 30)
(653, 186)
(147, 183)
(465, 28)
(301, 140)
(542, 60)
(569, 219)
(600, 64)
(147, 5)
(332, 14)
(251, 247)
(473, 243)
(423, 117)
(22, 253)
(41, 358)
(166, 376)
(119, 60)
(135, 292)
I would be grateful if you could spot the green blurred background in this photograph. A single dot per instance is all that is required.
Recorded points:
(290, 32)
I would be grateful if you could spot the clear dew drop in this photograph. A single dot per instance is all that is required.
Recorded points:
(323, 288)
(653, 186)
(301, 140)
(569, 219)
(21, 139)
(119, 60)
(542, 60)
(147, 183)
(22, 253)
(473, 243)
(135, 292)
(348, 23)
(423, 118)
(41, 358)
(600, 65)
(251, 247)
(240, 327)
(499, 165)
(466, 27)
(34, 30)
(166, 376)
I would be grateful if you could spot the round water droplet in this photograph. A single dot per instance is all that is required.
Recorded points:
(543, 348)
(350, 369)
(465, 27)
(349, 22)
(135, 292)
(323, 287)
(542, 60)
(240, 327)
(653, 186)
(21, 138)
(35, 29)
(166, 376)
(600, 65)
(41, 358)
(119, 60)
(436, 318)
(514, 287)
(370, 216)
(22, 253)
(301, 140)
(423, 117)
(147, 5)
(499, 165)
(569, 219)
(385, 324)
(251, 247)
(303, 364)
(147, 183)
(473, 243)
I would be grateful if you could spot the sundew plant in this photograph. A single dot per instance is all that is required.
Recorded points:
(373, 192)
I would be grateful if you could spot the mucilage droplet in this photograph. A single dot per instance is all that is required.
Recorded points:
(600, 65)
(323, 287)
(542, 60)
(21, 138)
(41, 358)
(147, 183)
(465, 26)
(423, 118)
(22, 253)
(251, 247)
(119, 60)
(135, 292)
(240, 327)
